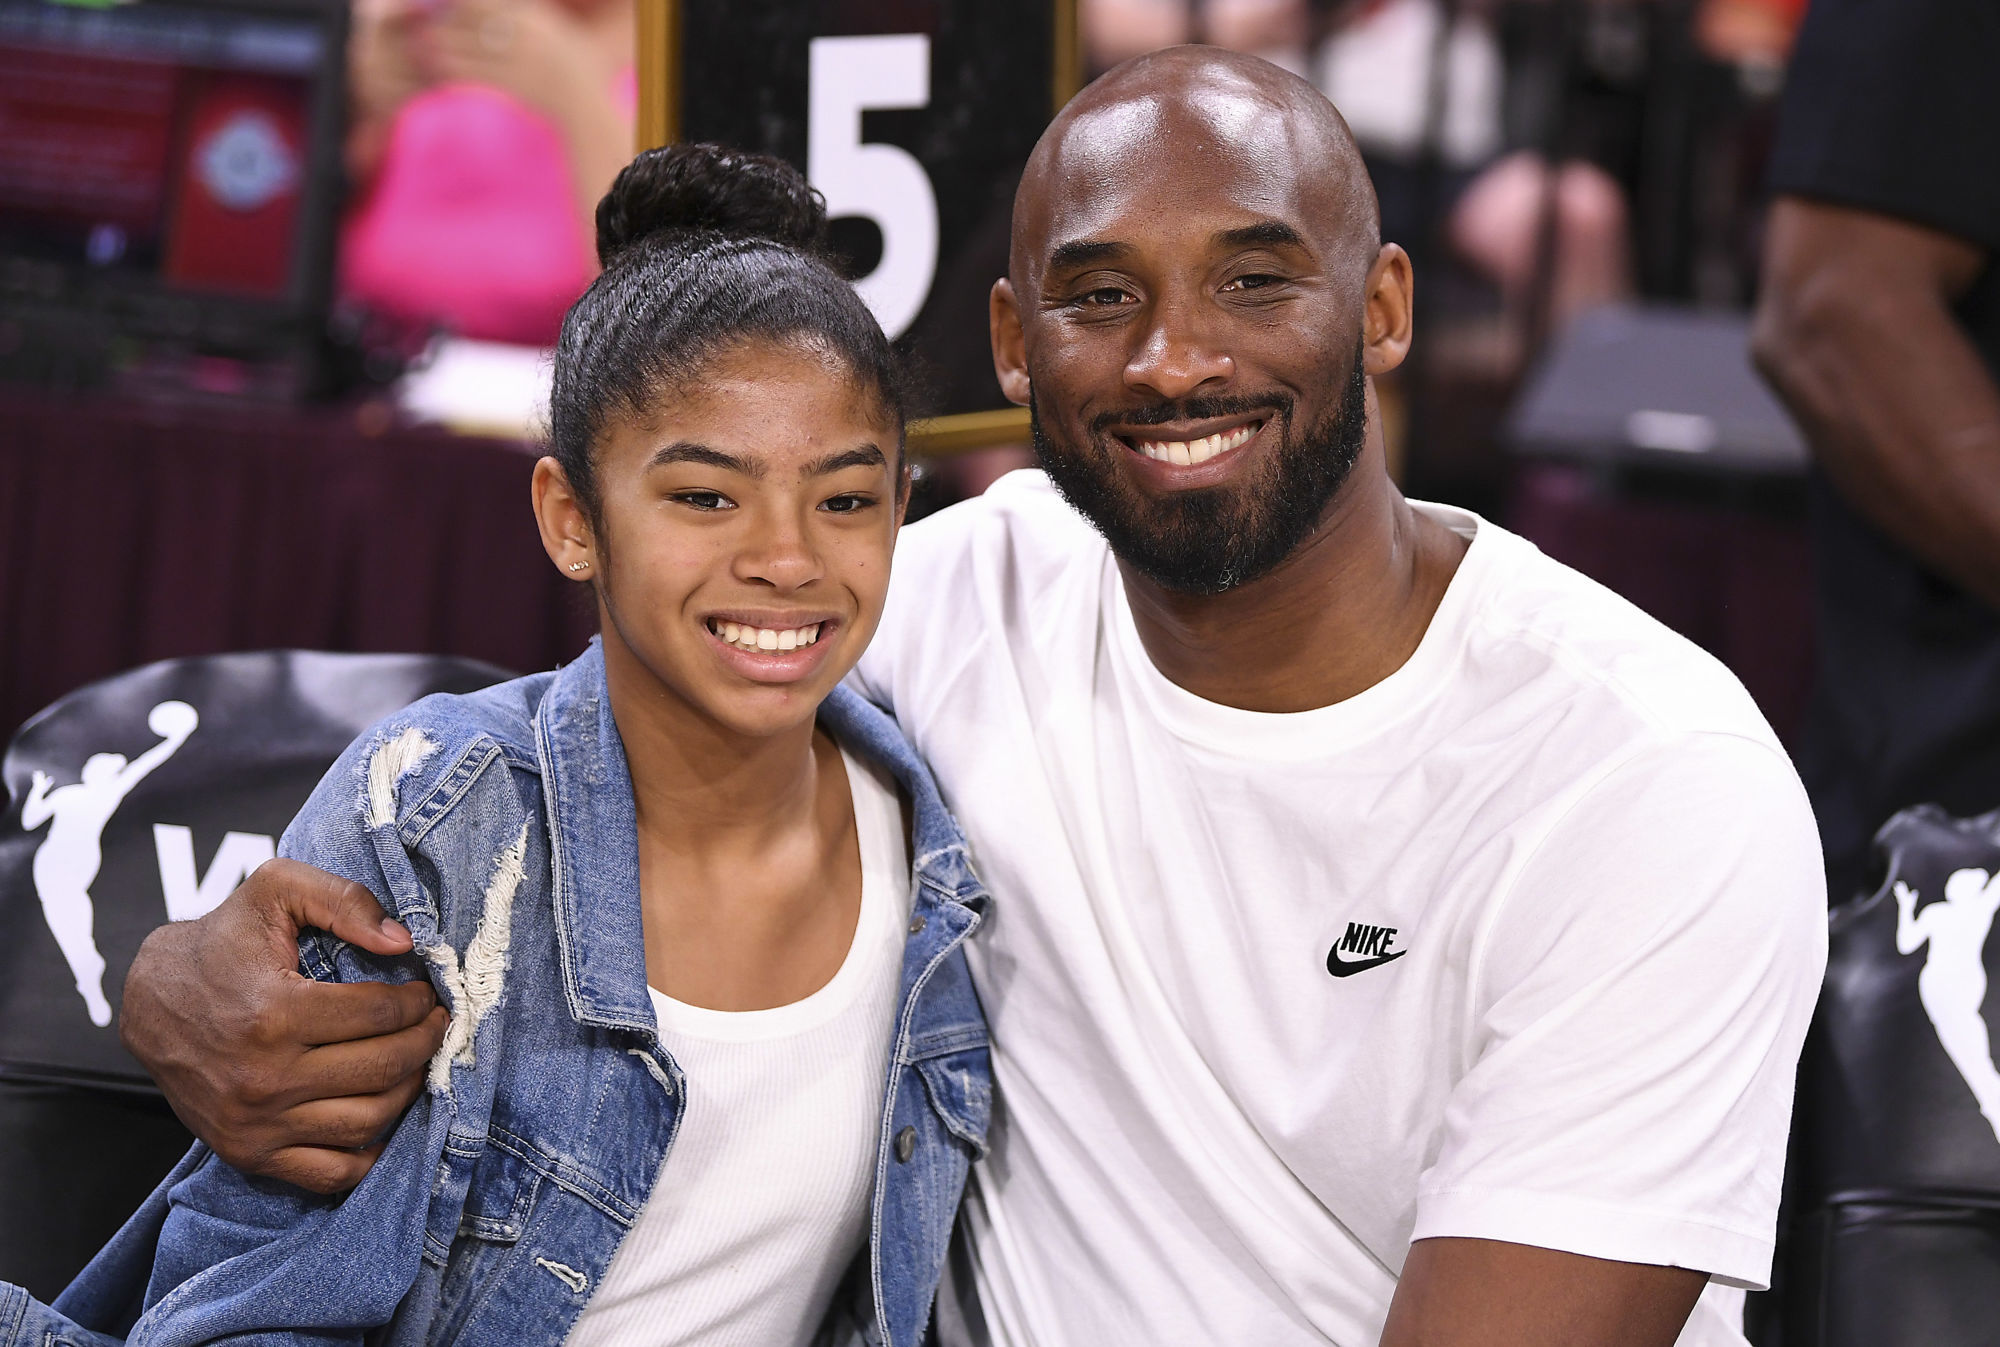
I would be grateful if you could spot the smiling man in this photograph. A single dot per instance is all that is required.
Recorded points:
(1397, 938)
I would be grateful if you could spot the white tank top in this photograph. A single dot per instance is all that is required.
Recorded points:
(763, 1200)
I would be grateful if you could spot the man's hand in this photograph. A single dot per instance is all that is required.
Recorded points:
(282, 1076)
(1486, 1293)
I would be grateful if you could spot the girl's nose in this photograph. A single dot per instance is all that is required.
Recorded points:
(781, 558)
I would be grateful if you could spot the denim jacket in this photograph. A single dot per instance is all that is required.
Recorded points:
(500, 828)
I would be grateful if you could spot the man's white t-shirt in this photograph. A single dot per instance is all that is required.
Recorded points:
(1520, 943)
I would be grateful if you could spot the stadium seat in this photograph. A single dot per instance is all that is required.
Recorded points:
(133, 801)
(1897, 1239)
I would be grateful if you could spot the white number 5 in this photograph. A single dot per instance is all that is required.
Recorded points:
(883, 182)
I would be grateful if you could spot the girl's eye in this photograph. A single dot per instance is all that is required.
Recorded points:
(847, 504)
(703, 500)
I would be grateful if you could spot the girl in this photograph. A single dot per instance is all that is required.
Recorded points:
(715, 1071)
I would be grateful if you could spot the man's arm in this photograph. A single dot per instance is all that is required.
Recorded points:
(1461, 1292)
(282, 1076)
(1854, 330)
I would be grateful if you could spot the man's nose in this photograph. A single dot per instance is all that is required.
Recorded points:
(1178, 354)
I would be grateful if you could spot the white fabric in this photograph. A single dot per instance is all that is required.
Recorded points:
(1604, 884)
(763, 1200)
(1377, 70)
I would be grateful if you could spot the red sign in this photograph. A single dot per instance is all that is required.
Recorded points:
(240, 176)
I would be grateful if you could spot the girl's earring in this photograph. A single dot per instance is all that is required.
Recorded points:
(579, 565)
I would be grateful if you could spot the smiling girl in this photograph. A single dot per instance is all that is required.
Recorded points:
(715, 1070)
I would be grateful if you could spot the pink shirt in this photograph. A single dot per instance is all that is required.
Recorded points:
(471, 221)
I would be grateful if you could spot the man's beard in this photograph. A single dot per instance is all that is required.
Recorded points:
(1209, 539)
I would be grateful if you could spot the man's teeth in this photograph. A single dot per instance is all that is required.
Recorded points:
(764, 638)
(1186, 452)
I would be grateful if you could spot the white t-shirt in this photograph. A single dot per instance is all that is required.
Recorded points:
(1577, 890)
(762, 1202)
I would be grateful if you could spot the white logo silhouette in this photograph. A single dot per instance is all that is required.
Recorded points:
(1952, 985)
(67, 861)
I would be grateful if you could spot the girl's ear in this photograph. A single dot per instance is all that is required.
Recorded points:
(564, 523)
(905, 480)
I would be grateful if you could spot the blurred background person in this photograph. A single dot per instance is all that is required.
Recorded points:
(1280, 31)
(1879, 323)
(483, 133)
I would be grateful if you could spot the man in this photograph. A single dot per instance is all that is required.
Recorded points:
(1396, 938)
(1879, 323)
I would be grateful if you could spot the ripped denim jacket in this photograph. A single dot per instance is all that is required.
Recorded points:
(500, 828)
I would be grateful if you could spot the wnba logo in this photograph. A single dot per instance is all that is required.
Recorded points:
(68, 860)
(1952, 985)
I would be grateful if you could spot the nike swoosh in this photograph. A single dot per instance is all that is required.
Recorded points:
(1341, 968)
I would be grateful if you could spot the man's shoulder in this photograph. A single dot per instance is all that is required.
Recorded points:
(1544, 625)
(1020, 526)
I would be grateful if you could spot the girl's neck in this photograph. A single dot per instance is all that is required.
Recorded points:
(702, 790)
(749, 859)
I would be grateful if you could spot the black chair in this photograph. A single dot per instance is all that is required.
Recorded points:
(135, 800)
(1897, 1149)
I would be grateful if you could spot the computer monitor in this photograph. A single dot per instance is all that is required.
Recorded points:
(169, 170)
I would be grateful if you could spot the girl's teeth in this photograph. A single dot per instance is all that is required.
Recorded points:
(765, 638)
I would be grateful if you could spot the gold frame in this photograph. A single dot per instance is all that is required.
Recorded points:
(659, 75)
(658, 124)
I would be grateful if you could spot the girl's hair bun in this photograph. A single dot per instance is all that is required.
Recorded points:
(709, 189)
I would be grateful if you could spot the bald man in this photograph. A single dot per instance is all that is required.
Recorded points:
(1397, 938)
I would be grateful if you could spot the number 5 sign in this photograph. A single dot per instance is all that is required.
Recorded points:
(913, 118)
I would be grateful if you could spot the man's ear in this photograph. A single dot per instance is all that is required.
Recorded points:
(565, 525)
(1010, 348)
(1388, 315)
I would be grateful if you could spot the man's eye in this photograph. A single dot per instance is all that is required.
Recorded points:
(846, 504)
(1104, 296)
(703, 500)
(1254, 281)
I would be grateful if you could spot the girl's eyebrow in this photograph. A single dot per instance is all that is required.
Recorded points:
(684, 451)
(861, 456)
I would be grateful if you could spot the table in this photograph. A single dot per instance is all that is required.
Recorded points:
(1653, 459)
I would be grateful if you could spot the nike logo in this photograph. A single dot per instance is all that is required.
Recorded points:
(1369, 943)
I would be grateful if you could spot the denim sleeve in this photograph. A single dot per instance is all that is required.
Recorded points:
(26, 1322)
(258, 1261)
(241, 1256)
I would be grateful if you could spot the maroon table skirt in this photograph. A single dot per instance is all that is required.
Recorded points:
(132, 531)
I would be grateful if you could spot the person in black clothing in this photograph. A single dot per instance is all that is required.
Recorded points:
(1879, 325)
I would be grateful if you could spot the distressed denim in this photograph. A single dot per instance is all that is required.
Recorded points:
(500, 828)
